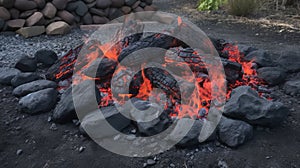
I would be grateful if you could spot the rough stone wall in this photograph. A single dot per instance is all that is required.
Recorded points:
(34, 17)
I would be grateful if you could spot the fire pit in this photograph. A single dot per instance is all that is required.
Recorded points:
(248, 72)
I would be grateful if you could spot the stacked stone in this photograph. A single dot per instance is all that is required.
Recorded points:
(35, 17)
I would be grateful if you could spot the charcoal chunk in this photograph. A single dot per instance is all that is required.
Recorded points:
(156, 40)
(163, 80)
(101, 68)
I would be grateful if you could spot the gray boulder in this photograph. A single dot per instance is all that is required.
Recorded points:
(153, 127)
(26, 64)
(192, 137)
(34, 86)
(234, 132)
(84, 96)
(38, 102)
(290, 61)
(148, 118)
(260, 57)
(46, 57)
(245, 104)
(7, 74)
(97, 127)
(23, 78)
(292, 87)
(244, 49)
(272, 75)
(64, 110)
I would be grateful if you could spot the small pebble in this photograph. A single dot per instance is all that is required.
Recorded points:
(76, 122)
(53, 127)
(81, 149)
(130, 137)
(151, 162)
(49, 119)
(18, 128)
(117, 137)
(222, 164)
(19, 152)
(172, 165)
(133, 131)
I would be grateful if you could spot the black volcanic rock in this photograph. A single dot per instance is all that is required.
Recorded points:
(292, 87)
(290, 61)
(38, 102)
(245, 104)
(84, 96)
(95, 124)
(272, 75)
(7, 74)
(260, 57)
(26, 64)
(46, 57)
(234, 132)
(192, 137)
(23, 78)
(34, 86)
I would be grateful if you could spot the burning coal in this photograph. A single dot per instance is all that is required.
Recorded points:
(106, 60)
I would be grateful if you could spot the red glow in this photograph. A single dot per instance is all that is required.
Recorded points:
(145, 88)
(201, 95)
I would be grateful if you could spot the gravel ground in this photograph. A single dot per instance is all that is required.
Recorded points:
(13, 46)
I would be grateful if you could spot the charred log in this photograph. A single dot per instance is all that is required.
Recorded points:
(156, 40)
(233, 70)
(63, 68)
(163, 80)
(101, 68)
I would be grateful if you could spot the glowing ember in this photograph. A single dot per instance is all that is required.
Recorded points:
(249, 73)
(201, 86)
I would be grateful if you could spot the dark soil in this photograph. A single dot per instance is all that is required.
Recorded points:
(43, 147)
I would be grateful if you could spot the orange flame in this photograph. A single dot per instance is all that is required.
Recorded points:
(145, 88)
